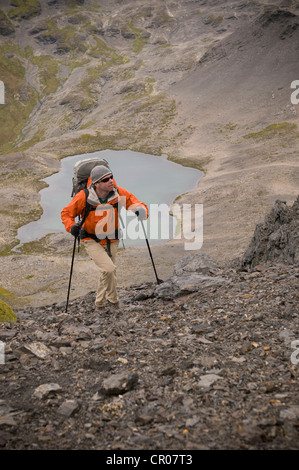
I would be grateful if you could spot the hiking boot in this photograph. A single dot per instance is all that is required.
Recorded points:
(114, 307)
(101, 310)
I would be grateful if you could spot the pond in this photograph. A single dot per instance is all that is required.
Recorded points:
(154, 180)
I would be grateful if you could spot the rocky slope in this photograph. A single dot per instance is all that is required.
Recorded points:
(207, 359)
(211, 365)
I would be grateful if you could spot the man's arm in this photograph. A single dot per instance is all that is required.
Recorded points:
(72, 210)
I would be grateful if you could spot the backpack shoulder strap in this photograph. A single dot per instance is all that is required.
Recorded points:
(88, 207)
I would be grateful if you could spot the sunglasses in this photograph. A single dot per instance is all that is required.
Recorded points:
(105, 180)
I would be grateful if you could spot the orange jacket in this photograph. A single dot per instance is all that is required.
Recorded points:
(102, 220)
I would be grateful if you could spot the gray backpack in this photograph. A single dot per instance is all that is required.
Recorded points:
(82, 171)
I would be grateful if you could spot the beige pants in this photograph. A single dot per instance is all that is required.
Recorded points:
(107, 277)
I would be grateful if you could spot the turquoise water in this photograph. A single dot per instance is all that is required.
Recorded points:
(154, 180)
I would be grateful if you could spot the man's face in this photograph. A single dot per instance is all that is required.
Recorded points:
(105, 184)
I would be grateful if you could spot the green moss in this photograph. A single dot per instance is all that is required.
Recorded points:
(6, 313)
(100, 48)
(140, 40)
(282, 129)
(5, 23)
(4, 292)
(215, 20)
(73, 5)
(199, 163)
(87, 142)
(38, 136)
(161, 17)
(48, 71)
(24, 9)
(140, 90)
(106, 54)
(6, 249)
(67, 38)
(230, 126)
(20, 98)
(38, 246)
(127, 74)
(109, 58)
(169, 113)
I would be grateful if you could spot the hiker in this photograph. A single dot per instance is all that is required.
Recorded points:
(99, 231)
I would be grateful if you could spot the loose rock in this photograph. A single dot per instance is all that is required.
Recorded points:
(209, 368)
(68, 407)
(119, 383)
(44, 390)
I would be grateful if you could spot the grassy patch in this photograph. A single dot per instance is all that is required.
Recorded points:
(282, 129)
(90, 143)
(38, 136)
(47, 71)
(24, 9)
(20, 100)
(215, 20)
(6, 313)
(199, 163)
(37, 246)
(5, 24)
(67, 39)
(140, 39)
(4, 293)
(100, 49)
(138, 89)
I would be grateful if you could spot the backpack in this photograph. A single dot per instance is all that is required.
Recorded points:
(82, 171)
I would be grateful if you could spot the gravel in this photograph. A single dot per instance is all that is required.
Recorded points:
(207, 364)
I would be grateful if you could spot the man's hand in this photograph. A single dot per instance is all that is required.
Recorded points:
(141, 213)
(75, 230)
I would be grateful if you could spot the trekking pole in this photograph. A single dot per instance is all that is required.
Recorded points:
(71, 272)
(123, 226)
(159, 281)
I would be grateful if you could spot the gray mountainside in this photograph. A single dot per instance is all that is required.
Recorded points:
(206, 82)
(208, 359)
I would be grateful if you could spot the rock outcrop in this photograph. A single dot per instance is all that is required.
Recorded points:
(277, 239)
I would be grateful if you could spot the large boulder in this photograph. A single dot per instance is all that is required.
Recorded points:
(276, 240)
(193, 273)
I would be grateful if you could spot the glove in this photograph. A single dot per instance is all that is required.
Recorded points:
(141, 213)
(75, 230)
